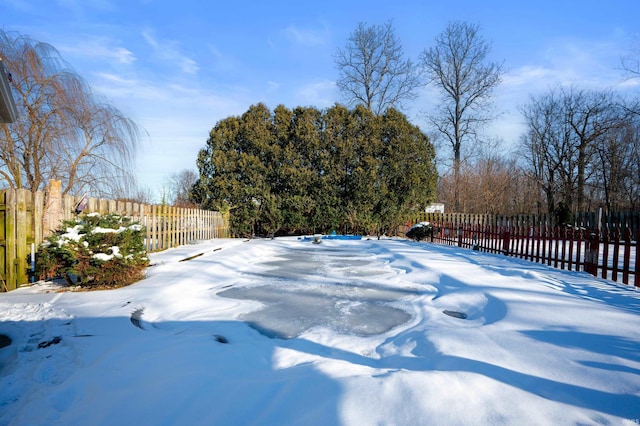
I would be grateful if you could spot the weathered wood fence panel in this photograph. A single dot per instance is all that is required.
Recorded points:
(25, 220)
(20, 234)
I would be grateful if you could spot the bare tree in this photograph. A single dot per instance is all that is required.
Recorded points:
(373, 71)
(64, 131)
(491, 182)
(547, 149)
(457, 65)
(572, 142)
(591, 115)
(616, 167)
(134, 194)
(180, 185)
(631, 62)
(631, 69)
(633, 185)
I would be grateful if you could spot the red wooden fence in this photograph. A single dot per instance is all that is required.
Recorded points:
(611, 254)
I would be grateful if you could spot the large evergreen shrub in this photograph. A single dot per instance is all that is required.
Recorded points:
(313, 171)
(95, 251)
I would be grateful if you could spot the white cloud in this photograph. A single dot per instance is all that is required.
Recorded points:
(306, 36)
(150, 39)
(222, 62)
(176, 118)
(583, 63)
(272, 86)
(563, 62)
(320, 93)
(101, 48)
(188, 65)
(124, 56)
(169, 51)
(525, 75)
(114, 86)
(630, 83)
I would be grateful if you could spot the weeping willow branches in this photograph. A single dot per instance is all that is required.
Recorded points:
(64, 131)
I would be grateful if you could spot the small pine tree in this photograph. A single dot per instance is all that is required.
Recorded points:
(96, 250)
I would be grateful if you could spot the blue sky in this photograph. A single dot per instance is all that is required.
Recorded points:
(178, 67)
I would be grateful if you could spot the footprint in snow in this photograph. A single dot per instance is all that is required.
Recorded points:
(136, 318)
(455, 314)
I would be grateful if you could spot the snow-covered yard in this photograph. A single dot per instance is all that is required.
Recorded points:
(344, 332)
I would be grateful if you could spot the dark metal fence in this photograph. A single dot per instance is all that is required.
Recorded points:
(603, 245)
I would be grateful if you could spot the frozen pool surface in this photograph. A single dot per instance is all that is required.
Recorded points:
(342, 288)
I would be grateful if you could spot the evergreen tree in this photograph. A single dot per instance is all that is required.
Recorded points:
(327, 215)
(315, 171)
(408, 164)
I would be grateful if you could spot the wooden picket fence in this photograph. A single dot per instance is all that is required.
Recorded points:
(166, 226)
(603, 248)
(26, 218)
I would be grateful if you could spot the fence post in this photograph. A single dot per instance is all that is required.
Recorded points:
(591, 253)
(459, 235)
(506, 241)
(636, 277)
(22, 234)
(598, 219)
(626, 257)
(10, 243)
(52, 212)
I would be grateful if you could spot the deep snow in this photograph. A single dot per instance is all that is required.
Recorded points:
(343, 332)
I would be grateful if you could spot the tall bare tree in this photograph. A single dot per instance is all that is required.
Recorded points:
(64, 130)
(458, 66)
(547, 150)
(373, 70)
(591, 115)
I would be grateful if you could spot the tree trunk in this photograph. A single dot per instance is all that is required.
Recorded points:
(456, 179)
(581, 171)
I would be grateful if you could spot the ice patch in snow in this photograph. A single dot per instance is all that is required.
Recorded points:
(317, 288)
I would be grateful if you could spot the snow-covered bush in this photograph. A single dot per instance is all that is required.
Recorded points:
(95, 251)
(420, 231)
